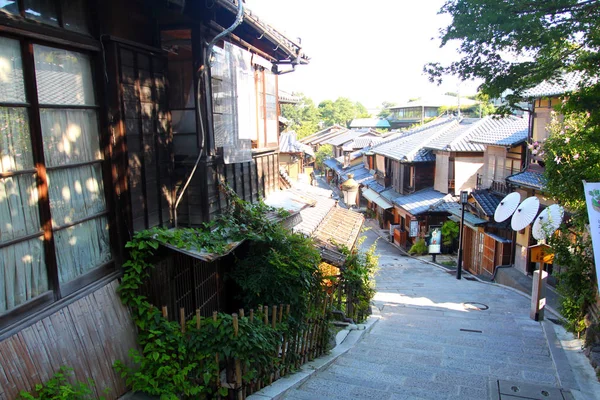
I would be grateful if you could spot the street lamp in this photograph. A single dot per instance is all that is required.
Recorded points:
(350, 191)
(464, 199)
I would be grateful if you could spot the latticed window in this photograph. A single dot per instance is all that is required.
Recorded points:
(54, 235)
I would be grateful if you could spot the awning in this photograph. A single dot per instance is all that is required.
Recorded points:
(374, 197)
(369, 194)
(470, 220)
(381, 202)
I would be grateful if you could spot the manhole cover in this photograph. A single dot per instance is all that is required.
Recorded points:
(505, 390)
(474, 306)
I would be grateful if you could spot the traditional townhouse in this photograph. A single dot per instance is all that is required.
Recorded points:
(116, 117)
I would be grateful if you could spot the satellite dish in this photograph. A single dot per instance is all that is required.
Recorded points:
(547, 222)
(507, 207)
(526, 212)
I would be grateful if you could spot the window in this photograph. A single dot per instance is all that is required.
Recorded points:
(245, 101)
(53, 213)
(67, 14)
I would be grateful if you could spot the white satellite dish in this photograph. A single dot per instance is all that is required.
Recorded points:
(526, 212)
(547, 222)
(507, 207)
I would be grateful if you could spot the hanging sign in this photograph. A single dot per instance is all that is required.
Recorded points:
(592, 199)
(414, 228)
(541, 253)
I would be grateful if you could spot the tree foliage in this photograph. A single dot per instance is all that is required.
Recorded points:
(514, 45)
(324, 152)
(385, 109)
(303, 116)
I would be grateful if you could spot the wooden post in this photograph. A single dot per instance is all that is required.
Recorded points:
(241, 313)
(197, 318)
(238, 366)
(280, 312)
(182, 319)
(274, 317)
(266, 316)
(215, 317)
(252, 315)
(165, 312)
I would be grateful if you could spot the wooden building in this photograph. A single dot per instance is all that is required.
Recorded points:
(116, 117)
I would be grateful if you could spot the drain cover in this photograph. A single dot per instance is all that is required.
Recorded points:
(474, 306)
(505, 390)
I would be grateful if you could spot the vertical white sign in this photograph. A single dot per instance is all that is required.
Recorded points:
(592, 199)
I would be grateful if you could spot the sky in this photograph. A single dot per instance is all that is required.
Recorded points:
(367, 51)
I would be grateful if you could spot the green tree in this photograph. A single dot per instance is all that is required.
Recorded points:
(324, 152)
(303, 116)
(361, 111)
(385, 109)
(341, 111)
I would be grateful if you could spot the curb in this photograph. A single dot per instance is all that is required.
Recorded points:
(283, 385)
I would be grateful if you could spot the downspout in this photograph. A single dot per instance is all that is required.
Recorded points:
(238, 20)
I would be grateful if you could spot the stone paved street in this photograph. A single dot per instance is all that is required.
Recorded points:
(428, 346)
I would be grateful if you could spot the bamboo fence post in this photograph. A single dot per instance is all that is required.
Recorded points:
(241, 313)
(252, 315)
(285, 340)
(165, 312)
(182, 319)
(238, 366)
(266, 315)
(274, 317)
(215, 317)
(197, 318)
(280, 313)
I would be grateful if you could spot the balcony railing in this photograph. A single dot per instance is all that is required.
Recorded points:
(499, 187)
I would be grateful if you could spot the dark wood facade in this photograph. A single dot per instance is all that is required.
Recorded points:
(115, 121)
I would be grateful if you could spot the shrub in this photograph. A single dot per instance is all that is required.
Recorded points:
(59, 388)
(450, 232)
(419, 248)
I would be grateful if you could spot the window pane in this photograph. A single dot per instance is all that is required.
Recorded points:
(9, 7)
(43, 11)
(75, 194)
(19, 214)
(184, 121)
(74, 17)
(15, 141)
(70, 136)
(81, 248)
(23, 270)
(12, 88)
(63, 77)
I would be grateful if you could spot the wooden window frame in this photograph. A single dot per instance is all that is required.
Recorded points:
(58, 295)
(58, 8)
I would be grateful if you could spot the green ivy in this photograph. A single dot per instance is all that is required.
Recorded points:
(60, 388)
(173, 364)
(419, 248)
(450, 232)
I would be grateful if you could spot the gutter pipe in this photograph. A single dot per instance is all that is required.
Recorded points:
(238, 20)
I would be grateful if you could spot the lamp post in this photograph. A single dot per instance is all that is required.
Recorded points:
(464, 199)
(350, 191)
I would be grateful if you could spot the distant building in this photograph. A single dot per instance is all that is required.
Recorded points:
(375, 123)
(417, 111)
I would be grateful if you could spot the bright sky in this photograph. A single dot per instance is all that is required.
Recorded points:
(367, 51)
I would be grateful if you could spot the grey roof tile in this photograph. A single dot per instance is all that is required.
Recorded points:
(487, 201)
(419, 202)
(568, 82)
(531, 179)
(508, 131)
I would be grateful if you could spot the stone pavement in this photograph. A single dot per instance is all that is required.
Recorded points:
(431, 344)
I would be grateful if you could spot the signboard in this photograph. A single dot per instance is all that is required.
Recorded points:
(592, 199)
(541, 253)
(414, 228)
(435, 244)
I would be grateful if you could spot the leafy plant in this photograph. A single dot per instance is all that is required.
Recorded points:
(419, 248)
(59, 387)
(358, 276)
(450, 232)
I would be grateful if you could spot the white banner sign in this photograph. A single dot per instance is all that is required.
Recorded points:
(592, 198)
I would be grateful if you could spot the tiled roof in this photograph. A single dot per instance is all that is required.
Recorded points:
(390, 194)
(374, 185)
(508, 131)
(362, 142)
(340, 227)
(470, 219)
(324, 134)
(457, 138)
(419, 202)
(289, 144)
(334, 165)
(369, 123)
(409, 146)
(531, 179)
(348, 136)
(361, 174)
(565, 83)
(487, 201)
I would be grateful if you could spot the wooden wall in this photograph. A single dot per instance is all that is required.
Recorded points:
(89, 335)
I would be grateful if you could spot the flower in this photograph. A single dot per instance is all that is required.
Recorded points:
(567, 140)
(557, 159)
(576, 156)
(534, 151)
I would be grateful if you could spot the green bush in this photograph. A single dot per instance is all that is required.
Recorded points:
(358, 275)
(419, 248)
(450, 232)
(60, 388)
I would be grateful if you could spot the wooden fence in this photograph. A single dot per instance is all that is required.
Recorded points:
(297, 346)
